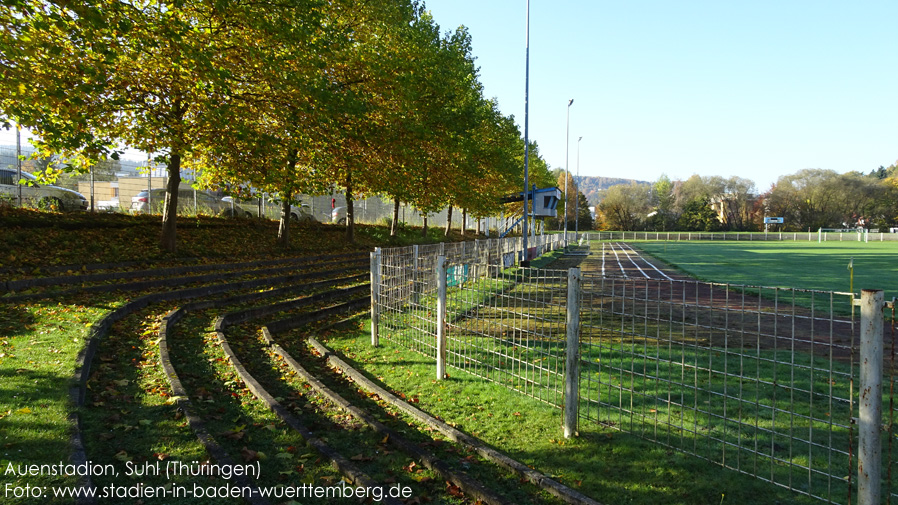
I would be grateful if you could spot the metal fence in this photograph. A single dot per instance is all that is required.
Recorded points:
(821, 235)
(759, 380)
(497, 316)
(115, 183)
(764, 381)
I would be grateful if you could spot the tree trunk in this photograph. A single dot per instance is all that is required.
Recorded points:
(168, 242)
(464, 221)
(284, 223)
(350, 212)
(424, 228)
(448, 222)
(394, 228)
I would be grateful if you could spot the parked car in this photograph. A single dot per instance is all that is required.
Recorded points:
(250, 208)
(46, 196)
(338, 215)
(206, 203)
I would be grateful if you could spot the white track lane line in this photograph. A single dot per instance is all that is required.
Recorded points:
(650, 263)
(622, 271)
(645, 275)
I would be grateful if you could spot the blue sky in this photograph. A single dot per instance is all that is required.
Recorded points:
(756, 89)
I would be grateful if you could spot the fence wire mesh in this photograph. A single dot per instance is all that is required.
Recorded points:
(406, 300)
(509, 327)
(764, 381)
(759, 380)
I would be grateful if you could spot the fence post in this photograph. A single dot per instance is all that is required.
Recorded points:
(375, 291)
(869, 467)
(572, 355)
(441, 317)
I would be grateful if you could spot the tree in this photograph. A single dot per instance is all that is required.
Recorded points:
(625, 207)
(92, 75)
(664, 199)
(737, 203)
(698, 216)
(808, 200)
(271, 130)
(584, 216)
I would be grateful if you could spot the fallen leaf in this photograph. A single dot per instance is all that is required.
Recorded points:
(453, 490)
(249, 455)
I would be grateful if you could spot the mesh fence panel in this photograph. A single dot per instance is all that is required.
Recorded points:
(760, 380)
(504, 325)
(509, 327)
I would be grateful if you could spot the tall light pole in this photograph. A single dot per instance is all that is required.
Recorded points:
(526, 260)
(577, 196)
(567, 172)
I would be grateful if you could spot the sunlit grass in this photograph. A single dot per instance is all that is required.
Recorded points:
(37, 361)
(805, 265)
(609, 465)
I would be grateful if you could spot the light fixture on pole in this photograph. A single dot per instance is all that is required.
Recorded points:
(577, 196)
(566, 166)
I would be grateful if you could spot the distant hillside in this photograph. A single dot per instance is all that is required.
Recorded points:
(590, 186)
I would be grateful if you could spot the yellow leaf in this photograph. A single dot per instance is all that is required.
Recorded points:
(24, 410)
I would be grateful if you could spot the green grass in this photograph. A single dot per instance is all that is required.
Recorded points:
(37, 360)
(606, 464)
(760, 411)
(126, 416)
(806, 265)
(39, 341)
(774, 423)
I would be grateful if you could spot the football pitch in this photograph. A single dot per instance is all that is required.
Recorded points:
(804, 265)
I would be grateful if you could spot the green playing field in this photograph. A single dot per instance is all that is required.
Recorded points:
(805, 265)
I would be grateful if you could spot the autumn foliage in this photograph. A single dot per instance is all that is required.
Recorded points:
(289, 97)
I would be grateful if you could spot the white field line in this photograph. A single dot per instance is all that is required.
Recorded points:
(621, 266)
(633, 262)
(649, 264)
(785, 316)
(603, 259)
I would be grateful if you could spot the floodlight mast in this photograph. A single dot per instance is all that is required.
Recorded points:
(526, 259)
(577, 196)
(567, 171)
